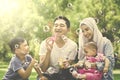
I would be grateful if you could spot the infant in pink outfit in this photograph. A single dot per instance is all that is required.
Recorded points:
(86, 69)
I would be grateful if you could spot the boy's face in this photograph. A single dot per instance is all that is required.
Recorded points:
(90, 51)
(23, 48)
(60, 28)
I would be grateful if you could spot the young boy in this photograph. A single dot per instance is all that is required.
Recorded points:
(21, 64)
(86, 69)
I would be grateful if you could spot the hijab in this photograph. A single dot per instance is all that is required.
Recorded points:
(97, 36)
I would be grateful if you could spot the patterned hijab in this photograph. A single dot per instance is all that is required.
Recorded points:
(97, 36)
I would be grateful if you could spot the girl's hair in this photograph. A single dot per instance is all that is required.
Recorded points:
(15, 43)
(65, 19)
(91, 45)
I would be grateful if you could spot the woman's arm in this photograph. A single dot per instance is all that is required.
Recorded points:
(106, 67)
(108, 52)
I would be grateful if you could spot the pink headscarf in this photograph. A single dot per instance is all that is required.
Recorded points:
(97, 36)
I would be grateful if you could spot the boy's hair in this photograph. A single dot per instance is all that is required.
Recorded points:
(15, 43)
(65, 19)
(91, 45)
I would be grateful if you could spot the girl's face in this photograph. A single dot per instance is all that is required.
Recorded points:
(87, 32)
(60, 28)
(90, 51)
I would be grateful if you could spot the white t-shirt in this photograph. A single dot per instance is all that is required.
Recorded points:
(69, 51)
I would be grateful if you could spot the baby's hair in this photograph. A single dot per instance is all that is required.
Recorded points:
(91, 45)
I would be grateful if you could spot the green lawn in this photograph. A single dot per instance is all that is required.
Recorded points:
(3, 69)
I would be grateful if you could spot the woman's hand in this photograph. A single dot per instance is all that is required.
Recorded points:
(105, 70)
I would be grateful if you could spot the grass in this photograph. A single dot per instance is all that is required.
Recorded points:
(3, 69)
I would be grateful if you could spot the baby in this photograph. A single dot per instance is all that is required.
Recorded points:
(86, 69)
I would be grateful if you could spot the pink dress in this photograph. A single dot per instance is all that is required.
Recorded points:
(92, 73)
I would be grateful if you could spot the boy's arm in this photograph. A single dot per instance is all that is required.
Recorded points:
(26, 73)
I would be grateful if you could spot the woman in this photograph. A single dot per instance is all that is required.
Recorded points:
(57, 48)
(90, 32)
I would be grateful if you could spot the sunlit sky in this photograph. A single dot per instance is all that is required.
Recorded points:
(7, 6)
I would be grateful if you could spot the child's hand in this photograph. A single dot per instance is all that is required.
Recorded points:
(33, 62)
(80, 64)
(87, 65)
(38, 69)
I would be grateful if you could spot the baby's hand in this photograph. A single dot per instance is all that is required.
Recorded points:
(87, 64)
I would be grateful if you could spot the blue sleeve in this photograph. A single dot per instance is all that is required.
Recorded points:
(100, 65)
(16, 65)
(108, 50)
(29, 58)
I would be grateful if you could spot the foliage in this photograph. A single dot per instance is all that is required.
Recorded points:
(29, 17)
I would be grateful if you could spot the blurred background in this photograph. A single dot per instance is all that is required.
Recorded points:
(33, 19)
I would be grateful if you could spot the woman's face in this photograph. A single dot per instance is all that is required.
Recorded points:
(87, 32)
(60, 28)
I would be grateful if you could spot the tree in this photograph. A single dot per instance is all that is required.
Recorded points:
(33, 19)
